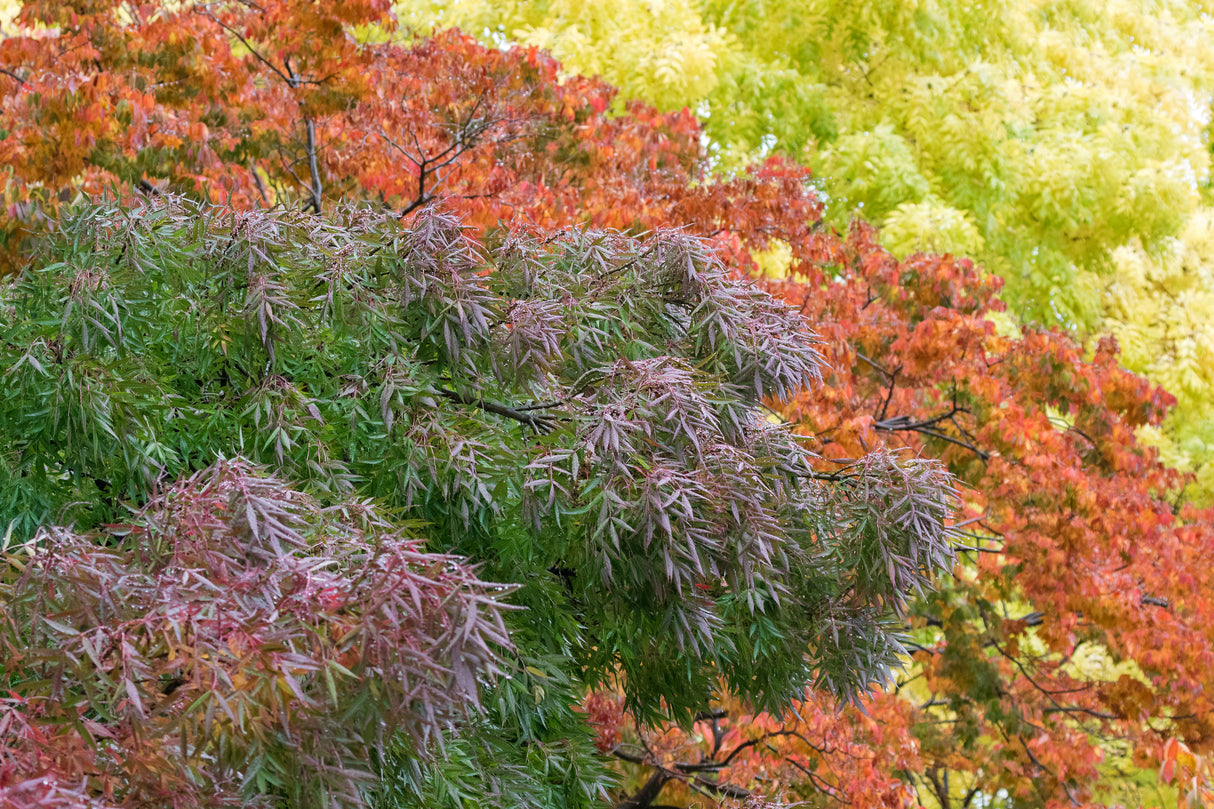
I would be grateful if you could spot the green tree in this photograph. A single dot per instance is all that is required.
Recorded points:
(579, 414)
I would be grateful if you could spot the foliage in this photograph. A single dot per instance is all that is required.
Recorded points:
(1062, 130)
(579, 414)
(1159, 309)
(235, 641)
(200, 100)
(1082, 614)
(1072, 651)
(1062, 145)
(1057, 667)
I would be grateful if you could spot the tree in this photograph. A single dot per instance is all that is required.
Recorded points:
(1070, 513)
(236, 639)
(1080, 617)
(1064, 146)
(578, 414)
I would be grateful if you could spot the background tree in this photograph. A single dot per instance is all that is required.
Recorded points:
(1075, 642)
(1065, 146)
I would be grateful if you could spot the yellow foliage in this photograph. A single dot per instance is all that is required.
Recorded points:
(660, 50)
(8, 11)
(930, 227)
(775, 261)
(1161, 309)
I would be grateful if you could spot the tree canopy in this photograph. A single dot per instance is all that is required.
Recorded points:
(579, 415)
(522, 338)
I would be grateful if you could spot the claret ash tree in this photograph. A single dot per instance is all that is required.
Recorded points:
(413, 468)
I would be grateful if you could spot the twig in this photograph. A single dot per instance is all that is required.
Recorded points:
(12, 75)
(261, 188)
(201, 8)
(891, 426)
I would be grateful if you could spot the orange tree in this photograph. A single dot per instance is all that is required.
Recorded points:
(1073, 641)
(301, 103)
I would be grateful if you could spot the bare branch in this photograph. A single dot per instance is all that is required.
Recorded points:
(313, 169)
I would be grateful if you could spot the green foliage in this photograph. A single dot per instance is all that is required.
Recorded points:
(579, 414)
(529, 749)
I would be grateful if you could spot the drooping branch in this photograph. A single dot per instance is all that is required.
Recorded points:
(643, 798)
(818, 781)
(1038, 763)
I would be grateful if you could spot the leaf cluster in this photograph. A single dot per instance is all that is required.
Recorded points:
(236, 642)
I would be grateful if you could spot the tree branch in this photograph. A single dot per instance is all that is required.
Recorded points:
(902, 424)
(818, 781)
(313, 169)
(12, 75)
(538, 423)
(202, 9)
(261, 188)
(294, 80)
(643, 797)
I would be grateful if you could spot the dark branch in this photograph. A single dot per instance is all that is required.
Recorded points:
(539, 423)
(202, 9)
(902, 424)
(818, 781)
(12, 75)
(645, 795)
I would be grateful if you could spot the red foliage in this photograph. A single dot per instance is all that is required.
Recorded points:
(1075, 542)
(236, 633)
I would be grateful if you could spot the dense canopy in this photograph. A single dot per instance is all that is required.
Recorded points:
(580, 415)
(371, 313)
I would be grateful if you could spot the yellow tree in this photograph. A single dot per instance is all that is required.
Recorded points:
(1065, 145)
